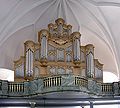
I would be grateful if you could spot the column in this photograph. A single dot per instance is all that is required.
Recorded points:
(76, 47)
(44, 45)
(29, 58)
(32, 104)
(91, 104)
(90, 60)
(76, 52)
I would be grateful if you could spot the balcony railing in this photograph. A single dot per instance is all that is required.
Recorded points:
(107, 88)
(15, 87)
(52, 81)
(81, 81)
(59, 83)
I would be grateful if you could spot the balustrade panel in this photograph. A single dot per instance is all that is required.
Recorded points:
(16, 87)
(52, 81)
(81, 82)
(107, 88)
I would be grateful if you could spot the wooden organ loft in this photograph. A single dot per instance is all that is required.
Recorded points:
(57, 52)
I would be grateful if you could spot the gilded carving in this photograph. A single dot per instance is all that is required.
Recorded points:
(58, 51)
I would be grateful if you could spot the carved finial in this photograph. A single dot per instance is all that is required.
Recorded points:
(59, 21)
(41, 33)
(60, 29)
(29, 45)
(76, 35)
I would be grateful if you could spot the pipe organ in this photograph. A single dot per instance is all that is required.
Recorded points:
(76, 46)
(58, 51)
(44, 46)
(29, 58)
(90, 60)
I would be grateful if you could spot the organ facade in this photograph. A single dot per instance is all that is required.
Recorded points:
(57, 52)
(58, 63)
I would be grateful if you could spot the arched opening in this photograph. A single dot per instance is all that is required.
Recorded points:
(6, 74)
(109, 77)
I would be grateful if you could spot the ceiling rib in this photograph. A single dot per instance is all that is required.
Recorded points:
(43, 12)
(74, 15)
(106, 3)
(15, 20)
(114, 49)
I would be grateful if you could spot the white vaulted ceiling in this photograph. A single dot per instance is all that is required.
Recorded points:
(98, 20)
